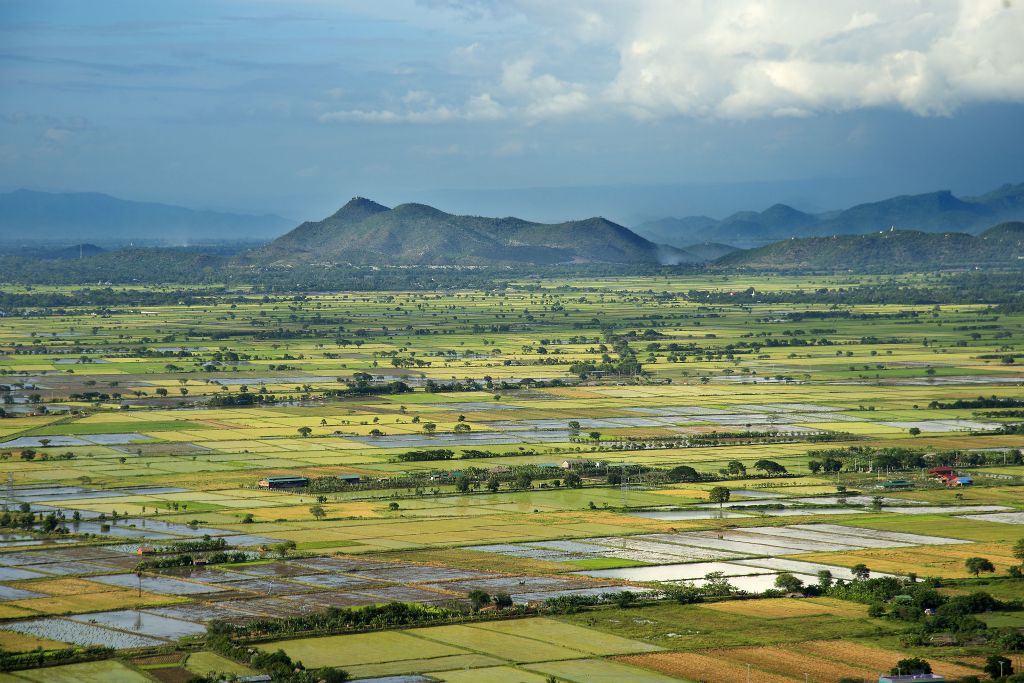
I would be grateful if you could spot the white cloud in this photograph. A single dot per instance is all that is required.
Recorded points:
(57, 135)
(741, 59)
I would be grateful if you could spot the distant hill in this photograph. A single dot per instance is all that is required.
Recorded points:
(932, 212)
(891, 250)
(27, 217)
(366, 233)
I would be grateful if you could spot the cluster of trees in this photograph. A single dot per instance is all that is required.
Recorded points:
(426, 455)
(246, 398)
(278, 665)
(362, 384)
(980, 402)
(932, 612)
(333, 620)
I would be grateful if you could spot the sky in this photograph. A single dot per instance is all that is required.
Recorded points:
(547, 110)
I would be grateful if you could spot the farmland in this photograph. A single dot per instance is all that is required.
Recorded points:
(547, 440)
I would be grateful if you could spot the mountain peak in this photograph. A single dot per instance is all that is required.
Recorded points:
(357, 209)
(365, 233)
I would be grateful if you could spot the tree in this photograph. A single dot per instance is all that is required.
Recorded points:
(910, 667)
(997, 666)
(462, 484)
(736, 467)
(860, 571)
(282, 549)
(914, 431)
(429, 427)
(503, 600)
(824, 580)
(683, 473)
(769, 467)
(573, 480)
(1018, 549)
(461, 428)
(317, 511)
(305, 431)
(720, 495)
(492, 484)
(789, 583)
(523, 479)
(977, 565)
(478, 599)
(595, 436)
(393, 506)
(574, 426)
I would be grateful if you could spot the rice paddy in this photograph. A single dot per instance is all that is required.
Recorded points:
(137, 430)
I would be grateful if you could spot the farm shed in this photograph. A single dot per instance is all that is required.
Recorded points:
(914, 678)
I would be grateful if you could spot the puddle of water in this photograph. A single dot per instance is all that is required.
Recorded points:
(142, 622)
(670, 572)
(64, 630)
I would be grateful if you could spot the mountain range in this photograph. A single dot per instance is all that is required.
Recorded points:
(364, 232)
(931, 212)
(29, 216)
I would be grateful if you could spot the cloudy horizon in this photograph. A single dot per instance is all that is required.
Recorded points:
(633, 110)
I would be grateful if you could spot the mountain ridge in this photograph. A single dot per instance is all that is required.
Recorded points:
(32, 216)
(938, 211)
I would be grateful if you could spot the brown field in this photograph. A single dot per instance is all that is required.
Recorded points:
(698, 666)
(11, 641)
(821, 660)
(945, 562)
(780, 608)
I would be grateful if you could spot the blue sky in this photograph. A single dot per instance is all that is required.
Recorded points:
(546, 110)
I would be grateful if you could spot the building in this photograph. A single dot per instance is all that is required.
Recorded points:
(283, 482)
(576, 464)
(896, 484)
(349, 478)
(912, 678)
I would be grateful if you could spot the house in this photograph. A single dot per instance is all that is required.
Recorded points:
(349, 478)
(912, 678)
(941, 472)
(576, 464)
(145, 550)
(959, 481)
(501, 469)
(283, 482)
(896, 484)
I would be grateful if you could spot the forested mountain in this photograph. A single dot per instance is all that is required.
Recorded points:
(891, 250)
(366, 233)
(932, 212)
(27, 216)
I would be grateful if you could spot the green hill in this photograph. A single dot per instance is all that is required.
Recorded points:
(891, 250)
(366, 233)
